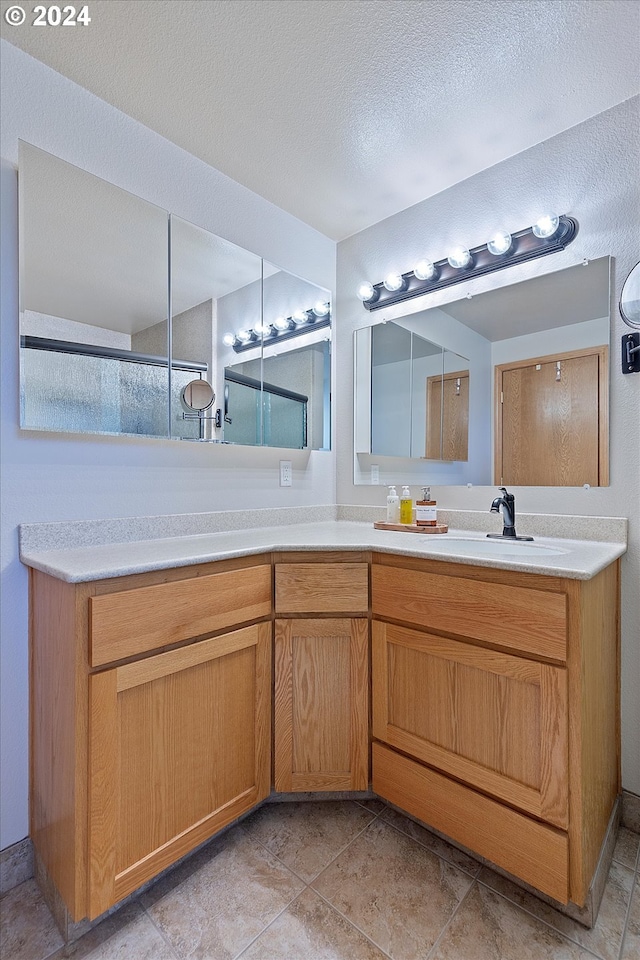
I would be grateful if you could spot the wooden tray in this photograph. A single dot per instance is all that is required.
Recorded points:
(410, 527)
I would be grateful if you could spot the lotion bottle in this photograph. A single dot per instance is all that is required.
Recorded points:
(393, 506)
(406, 506)
(426, 515)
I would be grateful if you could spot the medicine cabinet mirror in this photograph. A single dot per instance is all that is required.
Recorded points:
(507, 387)
(101, 270)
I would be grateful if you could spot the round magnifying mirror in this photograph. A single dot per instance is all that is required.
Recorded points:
(630, 298)
(198, 395)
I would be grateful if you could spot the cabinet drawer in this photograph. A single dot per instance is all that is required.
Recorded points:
(536, 853)
(534, 621)
(322, 587)
(135, 621)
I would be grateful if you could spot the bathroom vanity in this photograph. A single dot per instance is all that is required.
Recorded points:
(156, 717)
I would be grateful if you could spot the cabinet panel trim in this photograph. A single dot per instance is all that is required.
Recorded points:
(144, 671)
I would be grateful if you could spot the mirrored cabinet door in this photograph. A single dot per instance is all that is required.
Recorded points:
(93, 303)
(282, 390)
(216, 288)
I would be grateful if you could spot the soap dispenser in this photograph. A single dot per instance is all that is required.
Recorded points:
(426, 515)
(406, 506)
(393, 506)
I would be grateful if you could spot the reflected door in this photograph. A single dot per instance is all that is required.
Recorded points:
(448, 416)
(551, 420)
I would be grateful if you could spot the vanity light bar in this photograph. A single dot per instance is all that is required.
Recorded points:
(283, 328)
(548, 235)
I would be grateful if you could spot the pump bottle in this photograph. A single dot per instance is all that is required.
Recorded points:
(393, 506)
(406, 506)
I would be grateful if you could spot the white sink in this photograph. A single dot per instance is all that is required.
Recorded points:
(471, 547)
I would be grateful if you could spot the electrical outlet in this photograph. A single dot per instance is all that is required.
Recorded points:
(375, 474)
(286, 473)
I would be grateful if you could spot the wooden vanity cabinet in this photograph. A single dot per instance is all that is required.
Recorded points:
(495, 712)
(321, 655)
(151, 721)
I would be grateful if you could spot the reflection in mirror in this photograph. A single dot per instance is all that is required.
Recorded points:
(554, 328)
(93, 278)
(198, 395)
(630, 298)
(278, 393)
(213, 282)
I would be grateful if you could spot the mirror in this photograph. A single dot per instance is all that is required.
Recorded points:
(278, 392)
(198, 395)
(528, 406)
(93, 279)
(213, 282)
(630, 298)
(100, 272)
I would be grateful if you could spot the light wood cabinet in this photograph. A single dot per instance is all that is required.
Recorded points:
(150, 720)
(321, 704)
(321, 675)
(179, 747)
(495, 709)
(494, 696)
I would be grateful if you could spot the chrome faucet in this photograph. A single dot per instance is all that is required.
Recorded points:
(506, 505)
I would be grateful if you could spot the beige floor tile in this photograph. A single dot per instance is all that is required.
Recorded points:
(128, 934)
(605, 937)
(27, 930)
(217, 911)
(440, 847)
(307, 836)
(396, 891)
(488, 927)
(626, 850)
(631, 945)
(309, 929)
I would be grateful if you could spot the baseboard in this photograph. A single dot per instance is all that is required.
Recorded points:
(16, 864)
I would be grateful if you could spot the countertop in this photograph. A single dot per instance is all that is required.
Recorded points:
(576, 559)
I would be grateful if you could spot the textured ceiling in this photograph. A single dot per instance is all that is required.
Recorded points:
(344, 113)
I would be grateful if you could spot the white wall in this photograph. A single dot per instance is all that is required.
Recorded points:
(48, 477)
(590, 172)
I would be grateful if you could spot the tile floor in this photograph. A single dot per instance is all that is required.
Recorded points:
(335, 881)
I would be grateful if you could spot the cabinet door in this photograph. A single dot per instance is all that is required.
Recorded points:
(489, 719)
(179, 747)
(321, 705)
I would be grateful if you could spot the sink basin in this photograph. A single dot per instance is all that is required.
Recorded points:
(494, 548)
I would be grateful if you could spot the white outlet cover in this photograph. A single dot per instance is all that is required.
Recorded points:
(286, 473)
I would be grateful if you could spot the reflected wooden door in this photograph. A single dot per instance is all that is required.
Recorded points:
(552, 420)
(448, 417)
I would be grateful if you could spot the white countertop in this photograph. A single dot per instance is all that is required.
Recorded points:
(576, 559)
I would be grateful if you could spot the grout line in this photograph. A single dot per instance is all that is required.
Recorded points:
(328, 864)
(546, 923)
(351, 922)
(450, 920)
(270, 924)
(625, 925)
(161, 932)
(440, 856)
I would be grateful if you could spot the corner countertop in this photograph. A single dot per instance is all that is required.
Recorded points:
(576, 559)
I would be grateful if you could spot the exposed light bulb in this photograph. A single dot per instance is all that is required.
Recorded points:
(301, 316)
(459, 257)
(281, 323)
(546, 226)
(500, 243)
(321, 308)
(365, 291)
(263, 329)
(424, 270)
(244, 336)
(229, 339)
(393, 282)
